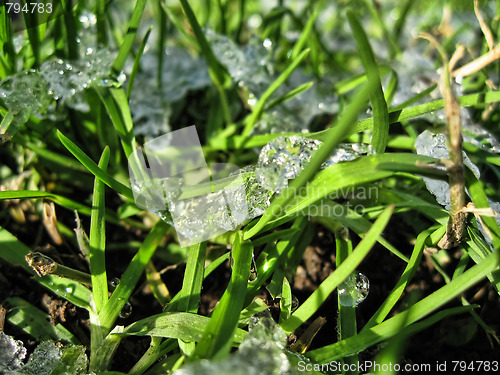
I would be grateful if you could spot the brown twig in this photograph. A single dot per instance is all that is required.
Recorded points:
(484, 28)
(455, 167)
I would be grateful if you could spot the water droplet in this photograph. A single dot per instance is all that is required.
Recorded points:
(126, 311)
(69, 289)
(353, 290)
(115, 281)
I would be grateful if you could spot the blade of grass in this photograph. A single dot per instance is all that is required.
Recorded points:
(309, 307)
(289, 95)
(218, 337)
(259, 107)
(395, 116)
(304, 36)
(128, 41)
(217, 73)
(334, 137)
(379, 105)
(178, 325)
(97, 241)
(129, 279)
(418, 311)
(384, 309)
(14, 251)
(35, 322)
(347, 325)
(188, 299)
(137, 62)
(94, 168)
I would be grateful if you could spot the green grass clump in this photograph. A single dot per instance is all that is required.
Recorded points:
(65, 155)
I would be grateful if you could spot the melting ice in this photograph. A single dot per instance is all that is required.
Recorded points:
(285, 157)
(434, 145)
(262, 351)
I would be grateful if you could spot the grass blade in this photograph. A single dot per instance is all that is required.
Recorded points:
(334, 137)
(128, 41)
(178, 325)
(128, 281)
(259, 107)
(97, 240)
(188, 299)
(35, 322)
(94, 168)
(424, 307)
(308, 308)
(379, 105)
(407, 275)
(218, 337)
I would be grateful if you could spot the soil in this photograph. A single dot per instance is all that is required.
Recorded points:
(455, 338)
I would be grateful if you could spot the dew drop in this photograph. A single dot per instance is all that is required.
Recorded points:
(353, 290)
(126, 311)
(115, 281)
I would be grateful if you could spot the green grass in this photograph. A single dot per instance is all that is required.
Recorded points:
(79, 161)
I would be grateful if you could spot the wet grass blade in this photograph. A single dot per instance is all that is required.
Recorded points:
(259, 107)
(290, 95)
(188, 299)
(13, 251)
(130, 277)
(217, 72)
(395, 116)
(316, 299)
(128, 41)
(178, 325)
(137, 62)
(379, 105)
(97, 241)
(94, 168)
(218, 337)
(346, 324)
(406, 276)
(334, 137)
(35, 322)
(419, 310)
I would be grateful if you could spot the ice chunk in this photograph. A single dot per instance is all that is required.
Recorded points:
(261, 352)
(353, 290)
(348, 152)
(44, 359)
(477, 135)
(434, 145)
(24, 94)
(283, 159)
(12, 353)
(68, 78)
(150, 105)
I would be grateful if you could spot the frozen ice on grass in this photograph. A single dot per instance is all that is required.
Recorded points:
(285, 157)
(434, 145)
(46, 357)
(262, 351)
(353, 290)
(68, 78)
(151, 106)
(250, 67)
(477, 135)
(12, 353)
(24, 94)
